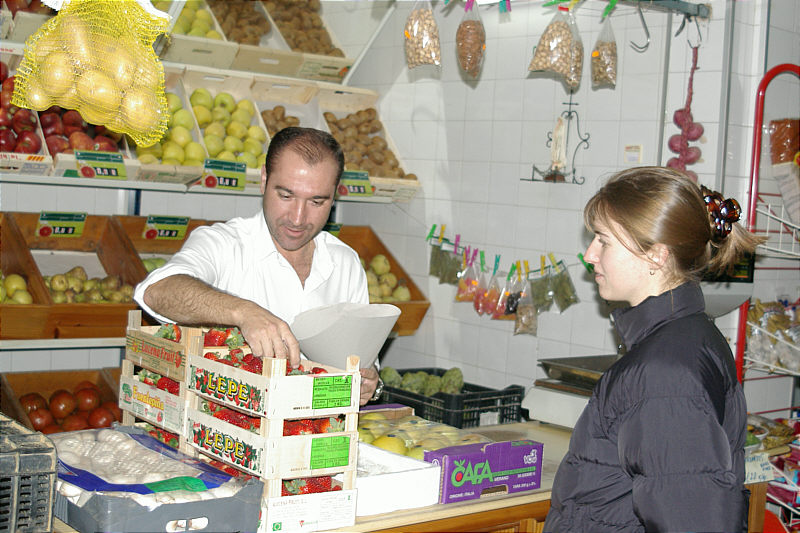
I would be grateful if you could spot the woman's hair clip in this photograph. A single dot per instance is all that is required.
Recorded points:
(722, 212)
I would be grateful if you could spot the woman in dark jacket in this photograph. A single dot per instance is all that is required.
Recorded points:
(660, 445)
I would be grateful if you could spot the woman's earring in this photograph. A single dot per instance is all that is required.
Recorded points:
(652, 272)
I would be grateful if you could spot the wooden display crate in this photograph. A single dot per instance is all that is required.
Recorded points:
(66, 165)
(139, 400)
(340, 102)
(134, 228)
(162, 356)
(111, 375)
(103, 242)
(364, 241)
(15, 384)
(296, 96)
(213, 53)
(22, 321)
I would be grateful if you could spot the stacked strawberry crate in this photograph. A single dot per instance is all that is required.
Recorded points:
(294, 430)
(152, 385)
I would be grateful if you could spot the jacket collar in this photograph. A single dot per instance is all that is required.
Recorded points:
(635, 323)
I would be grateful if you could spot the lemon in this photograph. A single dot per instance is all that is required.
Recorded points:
(391, 444)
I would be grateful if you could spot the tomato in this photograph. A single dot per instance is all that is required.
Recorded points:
(87, 399)
(100, 417)
(83, 414)
(40, 418)
(51, 428)
(85, 384)
(62, 403)
(74, 423)
(114, 409)
(32, 401)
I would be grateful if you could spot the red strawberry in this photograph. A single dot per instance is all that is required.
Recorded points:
(215, 337)
(255, 365)
(329, 425)
(169, 385)
(232, 417)
(299, 371)
(319, 484)
(304, 426)
(235, 338)
(170, 332)
(306, 485)
(318, 370)
(211, 355)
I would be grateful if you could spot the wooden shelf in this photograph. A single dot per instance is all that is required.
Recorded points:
(62, 344)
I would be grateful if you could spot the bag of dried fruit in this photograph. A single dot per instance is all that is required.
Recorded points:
(604, 58)
(560, 49)
(471, 40)
(422, 36)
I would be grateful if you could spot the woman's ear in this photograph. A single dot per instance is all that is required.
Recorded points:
(658, 255)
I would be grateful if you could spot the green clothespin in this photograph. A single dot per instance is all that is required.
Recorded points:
(589, 268)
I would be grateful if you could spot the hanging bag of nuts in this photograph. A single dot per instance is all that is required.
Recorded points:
(560, 49)
(422, 36)
(471, 41)
(604, 58)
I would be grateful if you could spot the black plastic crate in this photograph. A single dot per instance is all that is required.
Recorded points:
(27, 478)
(459, 410)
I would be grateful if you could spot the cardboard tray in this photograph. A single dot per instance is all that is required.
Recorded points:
(15, 384)
(104, 238)
(367, 244)
(22, 321)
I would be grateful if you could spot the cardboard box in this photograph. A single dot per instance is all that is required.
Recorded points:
(15, 384)
(367, 244)
(22, 321)
(389, 482)
(472, 471)
(309, 512)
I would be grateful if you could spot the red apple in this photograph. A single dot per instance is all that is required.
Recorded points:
(56, 144)
(23, 120)
(28, 143)
(51, 124)
(73, 118)
(3, 71)
(8, 84)
(5, 100)
(5, 119)
(8, 141)
(53, 109)
(78, 140)
(104, 144)
(16, 5)
(36, 6)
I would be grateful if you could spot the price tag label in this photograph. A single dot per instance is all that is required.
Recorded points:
(224, 174)
(60, 224)
(165, 228)
(329, 452)
(331, 391)
(107, 165)
(757, 468)
(333, 228)
(354, 183)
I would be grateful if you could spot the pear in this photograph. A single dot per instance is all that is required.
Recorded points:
(78, 272)
(110, 283)
(74, 283)
(58, 297)
(401, 293)
(385, 289)
(372, 278)
(59, 282)
(90, 284)
(380, 264)
(388, 278)
(127, 292)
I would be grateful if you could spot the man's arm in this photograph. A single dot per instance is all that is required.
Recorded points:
(188, 300)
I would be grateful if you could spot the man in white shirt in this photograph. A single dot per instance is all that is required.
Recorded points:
(258, 273)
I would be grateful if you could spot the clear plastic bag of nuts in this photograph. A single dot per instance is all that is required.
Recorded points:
(560, 49)
(422, 36)
(604, 58)
(471, 41)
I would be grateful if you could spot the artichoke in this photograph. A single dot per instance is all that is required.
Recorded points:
(433, 384)
(414, 381)
(452, 381)
(390, 376)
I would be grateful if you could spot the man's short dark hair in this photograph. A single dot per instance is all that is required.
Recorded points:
(311, 144)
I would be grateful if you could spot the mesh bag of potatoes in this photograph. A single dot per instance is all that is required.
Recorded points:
(422, 36)
(560, 49)
(604, 58)
(471, 42)
(364, 147)
(302, 27)
(96, 56)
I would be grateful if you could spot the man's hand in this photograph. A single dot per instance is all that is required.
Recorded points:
(369, 380)
(269, 336)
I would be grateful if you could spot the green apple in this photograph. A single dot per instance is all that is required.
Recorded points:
(148, 159)
(203, 115)
(225, 155)
(216, 128)
(248, 159)
(221, 115)
(173, 150)
(154, 149)
(181, 28)
(174, 102)
(233, 144)
(237, 129)
(202, 14)
(194, 150)
(185, 20)
(213, 144)
(197, 32)
(213, 34)
(180, 135)
(262, 160)
(247, 105)
(200, 25)
(201, 96)
(194, 162)
(253, 146)
(257, 132)
(240, 115)
(225, 100)
(173, 162)
(182, 117)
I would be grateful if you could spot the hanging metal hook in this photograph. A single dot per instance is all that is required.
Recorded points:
(697, 25)
(637, 47)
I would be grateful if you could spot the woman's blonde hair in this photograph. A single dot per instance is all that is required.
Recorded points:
(659, 205)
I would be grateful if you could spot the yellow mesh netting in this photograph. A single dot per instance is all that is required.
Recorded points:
(97, 56)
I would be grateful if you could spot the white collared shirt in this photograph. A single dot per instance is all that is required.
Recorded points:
(240, 258)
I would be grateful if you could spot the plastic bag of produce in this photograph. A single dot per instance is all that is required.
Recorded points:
(541, 289)
(560, 49)
(435, 267)
(422, 36)
(564, 293)
(604, 58)
(490, 297)
(98, 58)
(526, 321)
(506, 308)
(484, 279)
(467, 280)
(471, 40)
(450, 267)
